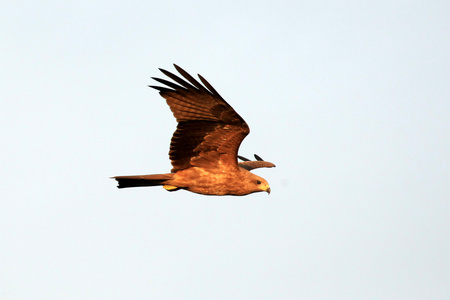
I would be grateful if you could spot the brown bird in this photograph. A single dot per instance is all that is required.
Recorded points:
(204, 147)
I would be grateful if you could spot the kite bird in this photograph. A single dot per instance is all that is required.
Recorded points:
(204, 147)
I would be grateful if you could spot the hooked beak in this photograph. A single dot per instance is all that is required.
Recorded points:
(268, 190)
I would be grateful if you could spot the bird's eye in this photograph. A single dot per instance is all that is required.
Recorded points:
(258, 182)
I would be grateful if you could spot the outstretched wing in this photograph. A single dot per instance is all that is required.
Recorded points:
(252, 164)
(209, 131)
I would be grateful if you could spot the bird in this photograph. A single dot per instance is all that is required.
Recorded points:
(204, 147)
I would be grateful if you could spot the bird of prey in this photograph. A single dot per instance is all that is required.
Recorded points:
(204, 147)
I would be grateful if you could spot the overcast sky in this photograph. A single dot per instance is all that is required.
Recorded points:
(350, 99)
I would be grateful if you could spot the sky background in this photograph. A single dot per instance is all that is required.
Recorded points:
(350, 99)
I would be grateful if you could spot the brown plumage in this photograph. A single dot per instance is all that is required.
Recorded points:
(250, 165)
(204, 147)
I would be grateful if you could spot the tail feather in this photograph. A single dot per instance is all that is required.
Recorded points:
(142, 180)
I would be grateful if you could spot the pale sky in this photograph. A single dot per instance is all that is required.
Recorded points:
(350, 99)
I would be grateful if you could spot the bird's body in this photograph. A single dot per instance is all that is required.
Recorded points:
(204, 147)
(201, 181)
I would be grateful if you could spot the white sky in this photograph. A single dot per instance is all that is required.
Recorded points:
(350, 99)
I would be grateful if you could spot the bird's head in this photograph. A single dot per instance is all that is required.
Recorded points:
(258, 184)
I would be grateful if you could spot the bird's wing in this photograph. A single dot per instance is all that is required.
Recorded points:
(209, 131)
(254, 164)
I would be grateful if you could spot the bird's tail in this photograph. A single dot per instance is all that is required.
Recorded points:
(143, 180)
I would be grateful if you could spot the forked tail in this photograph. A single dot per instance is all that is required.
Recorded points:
(143, 180)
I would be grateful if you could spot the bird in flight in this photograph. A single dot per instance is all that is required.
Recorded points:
(204, 147)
